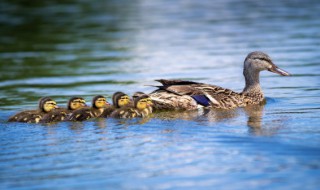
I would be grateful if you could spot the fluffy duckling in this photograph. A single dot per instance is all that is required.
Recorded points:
(46, 105)
(140, 109)
(99, 104)
(119, 99)
(139, 94)
(61, 114)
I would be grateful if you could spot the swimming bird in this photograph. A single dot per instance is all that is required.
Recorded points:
(119, 99)
(139, 109)
(189, 95)
(99, 104)
(45, 106)
(61, 114)
(149, 100)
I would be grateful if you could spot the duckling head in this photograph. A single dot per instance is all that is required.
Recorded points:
(46, 104)
(76, 103)
(149, 101)
(137, 95)
(120, 99)
(99, 102)
(141, 102)
(258, 61)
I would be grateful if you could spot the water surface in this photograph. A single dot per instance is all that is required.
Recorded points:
(66, 48)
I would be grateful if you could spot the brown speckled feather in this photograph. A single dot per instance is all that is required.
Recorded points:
(188, 95)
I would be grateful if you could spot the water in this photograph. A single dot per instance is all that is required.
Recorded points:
(65, 48)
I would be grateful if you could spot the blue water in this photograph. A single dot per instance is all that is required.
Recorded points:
(66, 48)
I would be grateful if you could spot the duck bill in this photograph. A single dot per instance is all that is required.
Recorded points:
(276, 69)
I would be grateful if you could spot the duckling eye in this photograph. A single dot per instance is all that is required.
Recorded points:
(124, 97)
(52, 103)
(143, 101)
(101, 100)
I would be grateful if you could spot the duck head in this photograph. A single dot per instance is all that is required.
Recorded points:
(76, 103)
(258, 61)
(99, 102)
(120, 99)
(142, 102)
(46, 104)
(137, 95)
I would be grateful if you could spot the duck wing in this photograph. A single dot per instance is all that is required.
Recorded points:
(203, 94)
(126, 112)
(81, 114)
(56, 115)
(26, 116)
(165, 82)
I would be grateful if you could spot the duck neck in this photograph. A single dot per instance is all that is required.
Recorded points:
(252, 82)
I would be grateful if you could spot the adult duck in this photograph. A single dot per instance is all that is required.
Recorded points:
(189, 95)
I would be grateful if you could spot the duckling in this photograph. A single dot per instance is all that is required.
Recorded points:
(99, 103)
(149, 100)
(61, 114)
(119, 99)
(46, 105)
(140, 109)
(189, 95)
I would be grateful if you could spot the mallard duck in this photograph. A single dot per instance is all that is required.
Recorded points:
(149, 100)
(61, 114)
(119, 99)
(99, 103)
(189, 95)
(139, 109)
(46, 105)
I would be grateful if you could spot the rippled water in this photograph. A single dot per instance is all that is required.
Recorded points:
(65, 48)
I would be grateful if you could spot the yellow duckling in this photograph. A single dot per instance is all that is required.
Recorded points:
(46, 105)
(140, 109)
(99, 104)
(61, 114)
(149, 100)
(119, 99)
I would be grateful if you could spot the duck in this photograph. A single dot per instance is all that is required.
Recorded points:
(119, 99)
(99, 104)
(138, 109)
(189, 95)
(149, 100)
(61, 114)
(45, 106)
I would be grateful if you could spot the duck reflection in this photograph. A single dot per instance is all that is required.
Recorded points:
(254, 122)
(253, 114)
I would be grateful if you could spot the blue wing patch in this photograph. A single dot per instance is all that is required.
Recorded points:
(202, 100)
